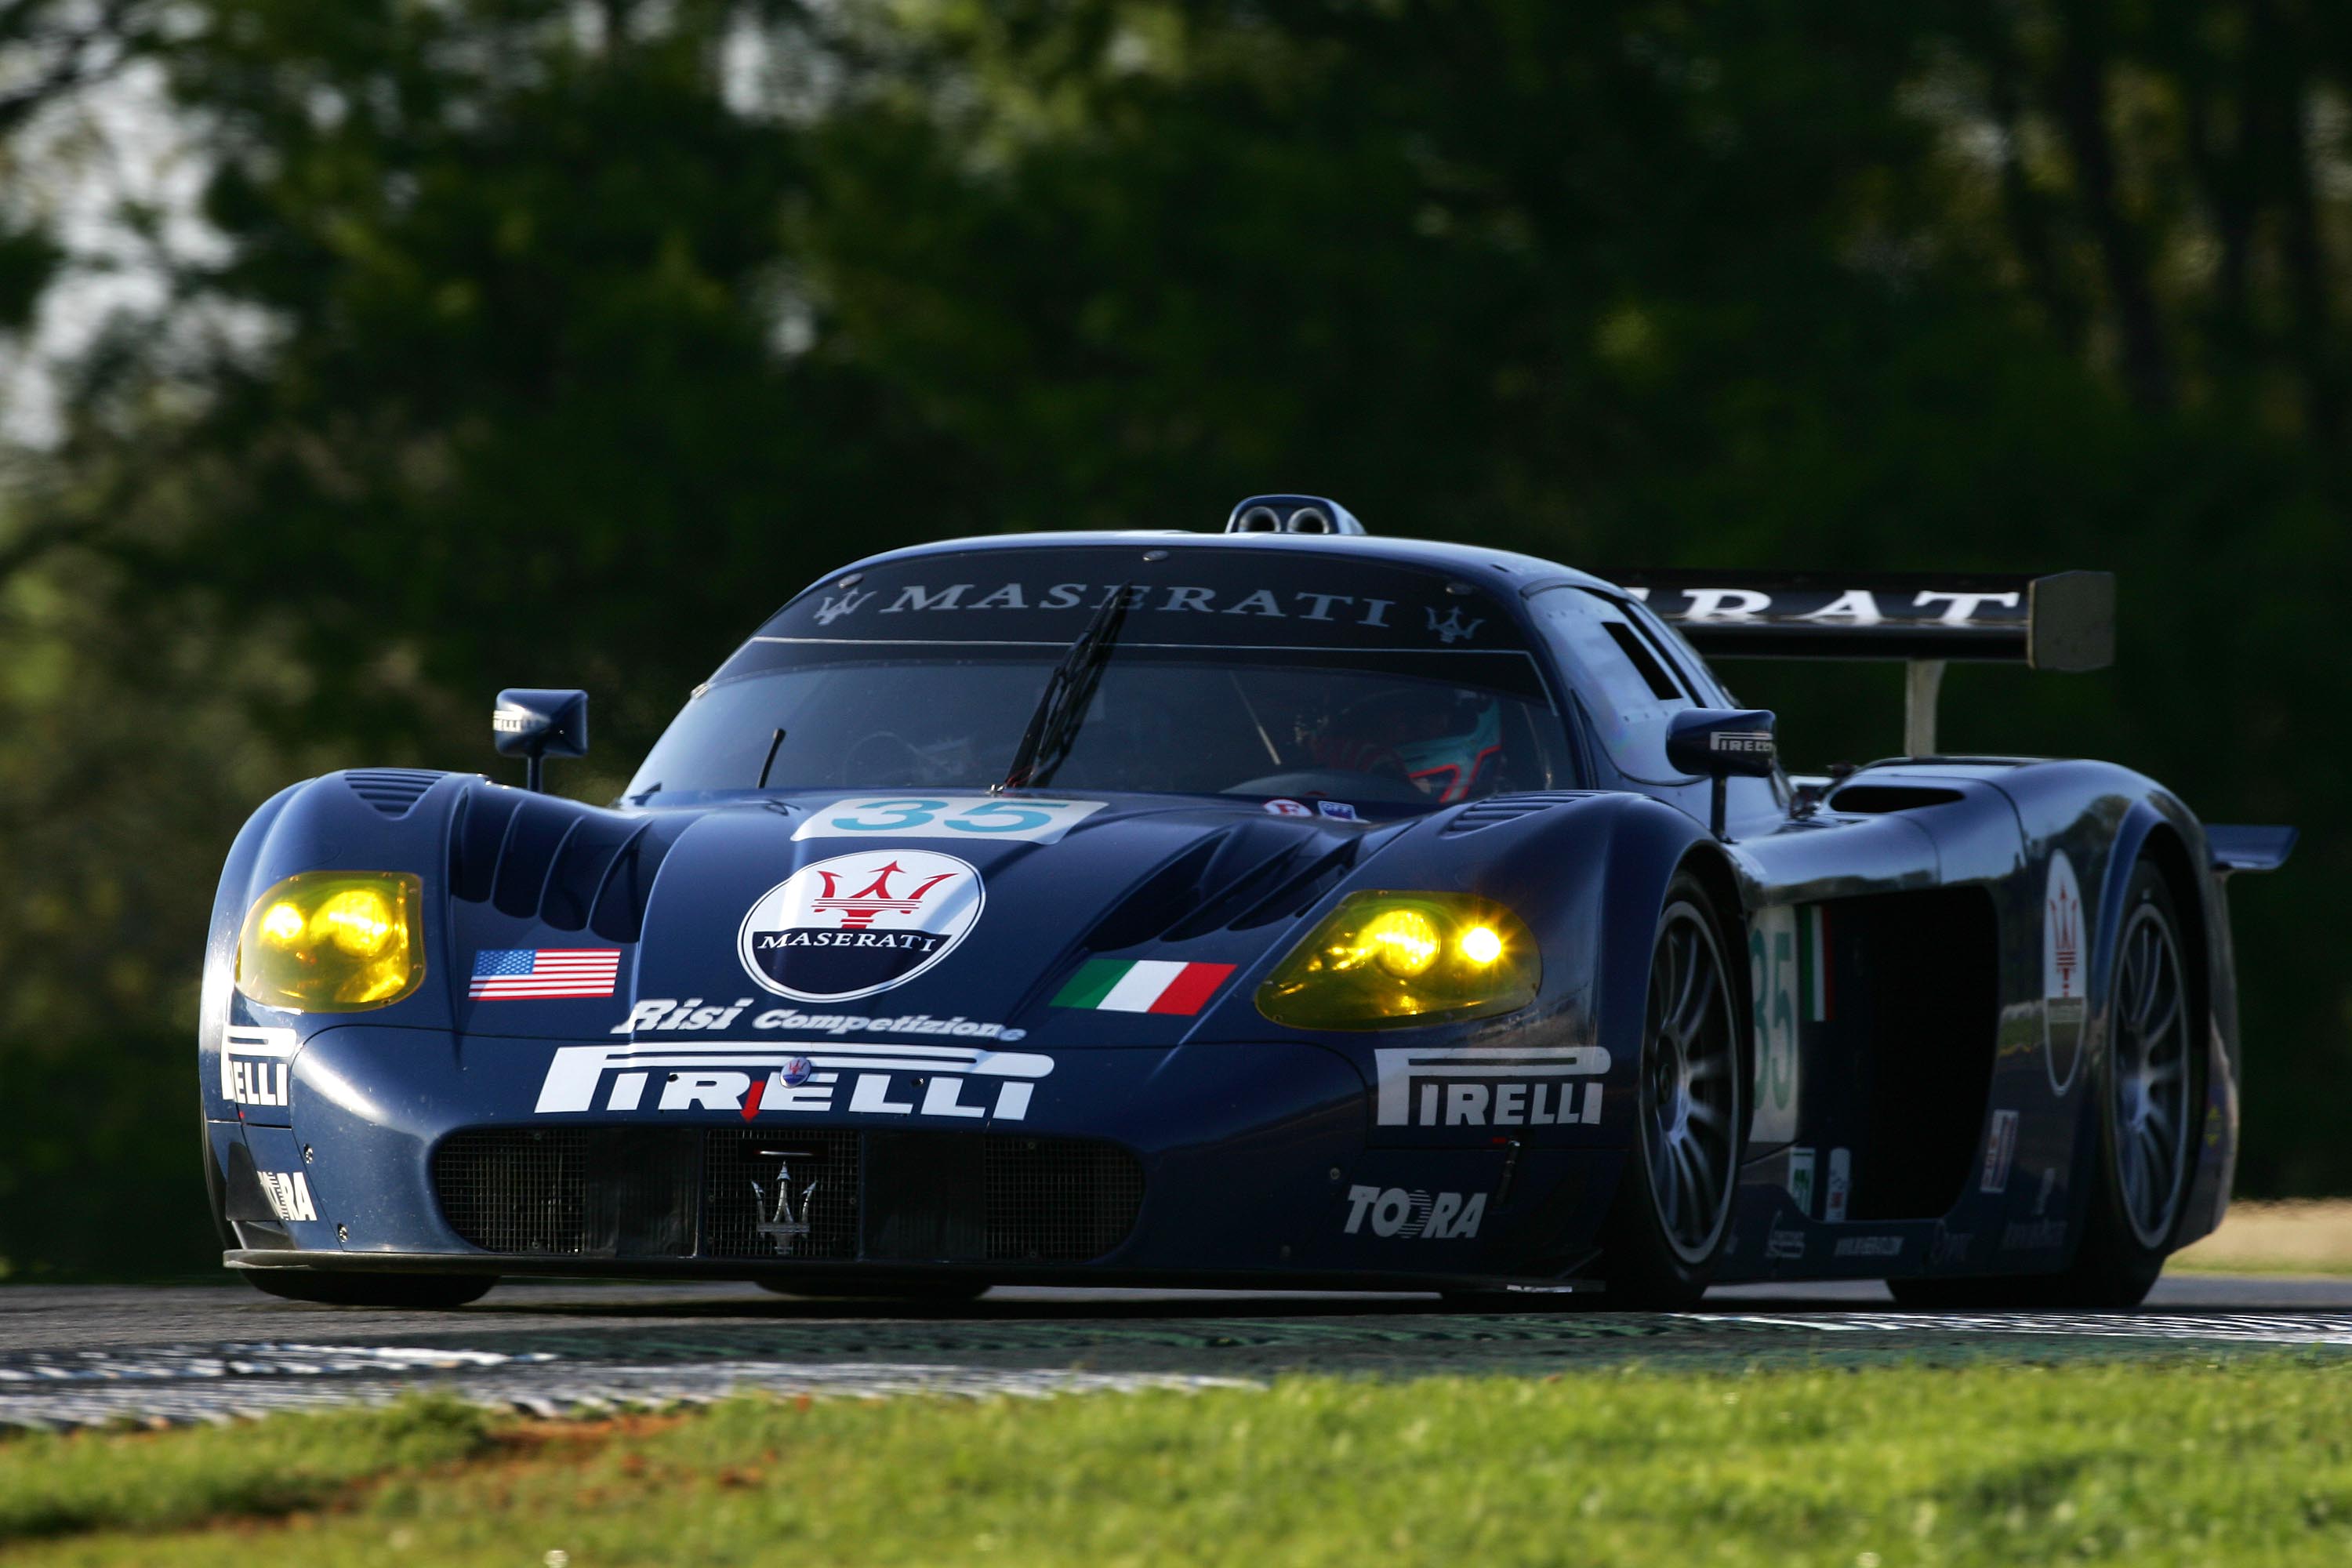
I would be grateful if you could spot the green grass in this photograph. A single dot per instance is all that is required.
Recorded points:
(2150, 1464)
(59, 1485)
(2324, 1268)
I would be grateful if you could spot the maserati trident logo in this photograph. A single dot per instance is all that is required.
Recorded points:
(2065, 938)
(781, 1221)
(857, 924)
(858, 908)
(831, 610)
(1454, 628)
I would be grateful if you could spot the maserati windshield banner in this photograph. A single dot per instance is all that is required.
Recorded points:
(1218, 596)
(857, 924)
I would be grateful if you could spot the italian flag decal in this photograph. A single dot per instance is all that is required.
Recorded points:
(1813, 963)
(1143, 985)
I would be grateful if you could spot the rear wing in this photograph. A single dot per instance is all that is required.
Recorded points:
(2235, 848)
(2064, 621)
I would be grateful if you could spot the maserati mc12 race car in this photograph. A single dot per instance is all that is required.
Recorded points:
(1278, 907)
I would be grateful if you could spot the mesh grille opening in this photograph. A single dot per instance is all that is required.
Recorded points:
(745, 1169)
(1057, 1200)
(522, 1190)
(681, 1193)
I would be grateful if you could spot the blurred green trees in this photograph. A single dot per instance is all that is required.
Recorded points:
(540, 342)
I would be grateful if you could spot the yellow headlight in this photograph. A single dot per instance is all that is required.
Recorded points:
(334, 941)
(1386, 961)
(359, 921)
(1404, 942)
(283, 924)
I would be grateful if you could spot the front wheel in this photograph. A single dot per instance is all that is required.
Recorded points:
(1667, 1228)
(419, 1292)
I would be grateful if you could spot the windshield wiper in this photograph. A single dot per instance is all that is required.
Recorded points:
(1062, 706)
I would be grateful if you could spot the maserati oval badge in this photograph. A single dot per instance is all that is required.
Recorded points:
(2063, 986)
(857, 924)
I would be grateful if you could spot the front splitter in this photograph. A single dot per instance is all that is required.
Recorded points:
(880, 1278)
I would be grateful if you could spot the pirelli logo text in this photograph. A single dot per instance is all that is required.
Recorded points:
(1490, 1085)
(255, 1065)
(776, 1080)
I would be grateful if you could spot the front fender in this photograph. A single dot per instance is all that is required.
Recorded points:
(324, 824)
(1587, 874)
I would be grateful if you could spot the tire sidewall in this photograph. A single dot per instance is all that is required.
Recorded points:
(2111, 1263)
(1642, 1265)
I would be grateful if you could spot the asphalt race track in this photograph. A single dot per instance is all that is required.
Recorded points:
(74, 1355)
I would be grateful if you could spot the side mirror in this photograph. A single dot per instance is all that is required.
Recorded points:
(533, 723)
(1720, 744)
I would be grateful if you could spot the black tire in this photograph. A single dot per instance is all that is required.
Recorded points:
(940, 1292)
(1667, 1228)
(417, 1292)
(2149, 1090)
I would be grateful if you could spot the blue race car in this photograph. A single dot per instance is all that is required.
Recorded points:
(1283, 907)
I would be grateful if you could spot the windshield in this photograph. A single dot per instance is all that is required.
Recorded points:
(1203, 724)
(1283, 714)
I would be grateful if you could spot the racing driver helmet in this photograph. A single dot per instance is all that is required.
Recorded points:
(1446, 762)
(1440, 738)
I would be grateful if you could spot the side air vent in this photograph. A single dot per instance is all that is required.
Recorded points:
(1874, 799)
(1496, 810)
(391, 791)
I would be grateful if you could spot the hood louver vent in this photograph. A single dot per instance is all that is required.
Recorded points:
(391, 791)
(573, 867)
(1281, 887)
(1163, 897)
(1497, 810)
(1244, 876)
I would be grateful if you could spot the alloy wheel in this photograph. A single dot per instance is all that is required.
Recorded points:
(1690, 1085)
(2149, 1076)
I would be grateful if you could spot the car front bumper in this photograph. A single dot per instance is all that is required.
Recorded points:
(1226, 1164)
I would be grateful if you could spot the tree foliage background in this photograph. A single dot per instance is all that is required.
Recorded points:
(555, 341)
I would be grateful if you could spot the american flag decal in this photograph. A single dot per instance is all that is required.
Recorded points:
(511, 974)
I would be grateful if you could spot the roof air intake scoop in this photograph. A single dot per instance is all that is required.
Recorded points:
(1292, 514)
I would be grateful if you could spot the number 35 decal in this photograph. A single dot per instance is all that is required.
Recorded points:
(965, 816)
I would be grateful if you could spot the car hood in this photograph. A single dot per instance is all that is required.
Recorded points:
(1128, 920)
